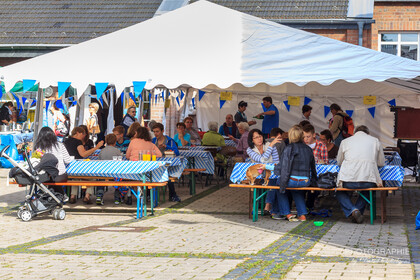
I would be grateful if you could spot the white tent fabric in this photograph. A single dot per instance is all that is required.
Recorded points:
(204, 45)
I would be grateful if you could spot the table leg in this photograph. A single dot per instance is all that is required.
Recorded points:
(137, 194)
(371, 207)
(383, 206)
(250, 204)
(192, 190)
(152, 201)
(374, 204)
(255, 208)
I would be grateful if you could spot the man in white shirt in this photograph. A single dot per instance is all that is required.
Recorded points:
(359, 157)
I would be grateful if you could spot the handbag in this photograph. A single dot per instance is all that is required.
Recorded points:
(95, 130)
(327, 180)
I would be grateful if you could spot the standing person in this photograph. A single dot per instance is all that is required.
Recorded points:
(296, 170)
(271, 116)
(47, 141)
(336, 124)
(122, 142)
(242, 143)
(129, 118)
(229, 127)
(319, 149)
(6, 113)
(164, 143)
(359, 157)
(58, 118)
(195, 137)
(92, 123)
(182, 138)
(107, 153)
(74, 146)
(326, 138)
(306, 112)
(240, 115)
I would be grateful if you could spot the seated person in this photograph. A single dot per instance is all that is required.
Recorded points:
(164, 143)
(274, 133)
(107, 153)
(242, 143)
(74, 146)
(229, 127)
(122, 142)
(326, 138)
(129, 118)
(212, 138)
(131, 131)
(195, 137)
(319, 149)
(141, 143)
(359, 157)
(182, 138)
(296, 170)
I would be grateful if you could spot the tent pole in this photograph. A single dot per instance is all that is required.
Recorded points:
(38, 113)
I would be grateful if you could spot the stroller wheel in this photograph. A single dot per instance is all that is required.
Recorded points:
(59, 214)
(26, 215)
(19, 213)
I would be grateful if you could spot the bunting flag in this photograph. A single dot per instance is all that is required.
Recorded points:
(138, 87)
(23, 101)
(193, 102)
(59, 104)
(349, 112)
(177, 100)
(326, 111)
(33, 103)
(132, 97)
(392, 102)
(47, 105)
(122, 98)
(156, 97)
(102, 101)
(62, 87)
(100, 88)
(263, 107)
(74, 103)
(1, 91)
(286, 103)
(307, 101)
(17, 102)
(222, 102)
(163, 95)
(182, 94)
(150, 97)
(200, 94)
(372, 111)
(27, 84)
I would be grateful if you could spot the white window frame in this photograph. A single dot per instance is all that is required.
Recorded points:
(399, 42)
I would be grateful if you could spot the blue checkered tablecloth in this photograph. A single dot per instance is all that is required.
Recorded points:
(390, 159)
(131, 170)
(176, 165)
(393, 175)
(202, 159)
(229, 142)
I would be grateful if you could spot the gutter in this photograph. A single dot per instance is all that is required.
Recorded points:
(34, 46)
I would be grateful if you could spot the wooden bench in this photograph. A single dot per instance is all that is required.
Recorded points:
(255, 200)
(109, 182)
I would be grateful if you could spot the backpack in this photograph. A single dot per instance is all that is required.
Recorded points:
(348, 126)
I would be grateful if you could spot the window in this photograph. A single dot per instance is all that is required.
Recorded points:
(401, 44)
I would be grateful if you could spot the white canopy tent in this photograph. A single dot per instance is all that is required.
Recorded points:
(210, 47)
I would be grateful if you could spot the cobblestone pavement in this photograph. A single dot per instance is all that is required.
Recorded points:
(208, 236)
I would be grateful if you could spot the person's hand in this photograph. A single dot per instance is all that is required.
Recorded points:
(260, 166)
(252, 122)
(162, 146)
(100, 144)
(276, 140)
(231, 137)
(259, 115)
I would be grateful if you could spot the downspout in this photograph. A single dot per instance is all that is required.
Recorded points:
(360, 24)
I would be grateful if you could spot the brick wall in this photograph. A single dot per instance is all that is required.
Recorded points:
(394, 17)
(345, 35)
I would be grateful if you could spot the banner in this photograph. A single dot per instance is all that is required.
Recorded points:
(226, 95)
(369, 100)
(167, 103)
(293, 100)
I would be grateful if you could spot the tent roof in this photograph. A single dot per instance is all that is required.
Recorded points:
(207, 46)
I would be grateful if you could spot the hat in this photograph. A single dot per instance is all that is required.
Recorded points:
(242, 103)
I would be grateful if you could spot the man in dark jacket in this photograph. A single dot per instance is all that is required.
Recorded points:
(5, 113)
(129, 118)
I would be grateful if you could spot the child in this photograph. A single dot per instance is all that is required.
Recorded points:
(107, 153)
(92, 121)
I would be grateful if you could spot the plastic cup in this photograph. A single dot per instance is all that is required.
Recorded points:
(153, 157)
(318, 223)
(119, 157)
(114, 157)
(147, 157)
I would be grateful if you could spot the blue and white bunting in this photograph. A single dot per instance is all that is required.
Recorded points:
(372, 111)
(350, 112)
(326, 111)
(307, 101)
(27, 84)
(200, 94)
(392, 102)
(100, 88)
(62, 87)
(222, 102)
(138, 87)
(286, 103)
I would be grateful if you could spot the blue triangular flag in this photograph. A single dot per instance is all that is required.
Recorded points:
(1, 91)
(200, 94)
(392, 102)
(326, 111)
(132, 96)
(177, 100)
(307, 101)
(33, 103)
(102, 101)
(59, 104)
(138, 87)
(286, 103)
(47, 104)
(17, 100)
(349, 112)
(263, 107)
(182, 94)
(27, 84)
(23, 101)
(122, 98)
(62, 87)
(156, 97)
(222, 102)
(193, 102)
(163, 94)
(372, 111)
(74, 103)
(150, 97)
(100, 88)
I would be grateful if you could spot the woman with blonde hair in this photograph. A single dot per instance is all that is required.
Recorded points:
(296, 170)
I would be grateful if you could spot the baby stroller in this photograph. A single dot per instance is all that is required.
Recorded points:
(40, 199)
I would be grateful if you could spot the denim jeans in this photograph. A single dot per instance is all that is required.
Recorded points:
(272, 197)
(337, 141)
(344, 198)
(298, 197)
